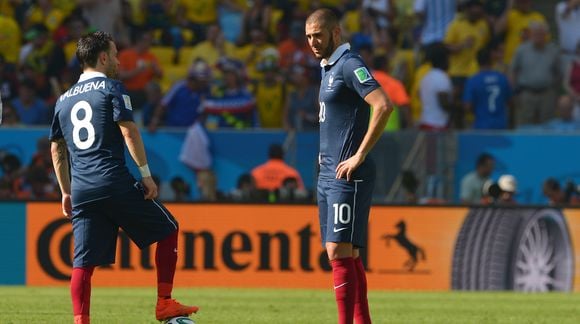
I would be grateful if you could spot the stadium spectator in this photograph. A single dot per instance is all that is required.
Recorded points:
(294, 50)
(181, 105)
(508, 186)
(401, 115)
(180, 189)
(231, 16)
(401, 59)
(76, 26)
(410, 185)
(45, 59)
(139, 66)
(256, 17)
(256, 51)
(30, 108)
(466, 35)
(153, 96)
(246, 190)
(301, 108)
(289, 192)
(515, 22)
(565, 121)
(44, 12)
(488, 95)
(381, 12)
(271, 174)
(12, 171)
(553, 192)
(435, 91)
(36, 185)
(103, 15)
(571, 78)
(435, 17)
(270, 93)
(9, 116)
(10, 33)
(197, 15)
(231, 105)
(568, 20)
(214, 47)
(536, 75)
(8, 80)
(472, 183)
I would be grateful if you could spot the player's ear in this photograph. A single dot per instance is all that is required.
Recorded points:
(103, 57)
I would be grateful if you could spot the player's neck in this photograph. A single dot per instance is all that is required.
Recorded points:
(93, 70)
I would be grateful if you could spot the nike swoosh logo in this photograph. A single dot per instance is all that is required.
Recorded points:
(336, 230)
(336, 287)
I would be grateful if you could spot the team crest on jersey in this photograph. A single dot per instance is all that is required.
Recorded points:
(362, 74)
(127, 101)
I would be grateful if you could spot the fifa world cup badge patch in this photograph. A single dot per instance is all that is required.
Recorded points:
(362, 74)
(127, 101)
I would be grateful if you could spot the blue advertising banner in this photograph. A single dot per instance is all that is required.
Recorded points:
(13, 247)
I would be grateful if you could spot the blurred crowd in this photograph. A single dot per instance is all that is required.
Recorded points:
(446, 64)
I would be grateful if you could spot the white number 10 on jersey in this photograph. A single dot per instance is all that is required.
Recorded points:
(322, 112)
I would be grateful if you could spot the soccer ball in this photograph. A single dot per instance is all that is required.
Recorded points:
(179, 320)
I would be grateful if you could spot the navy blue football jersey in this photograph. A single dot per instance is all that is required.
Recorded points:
(344, 114)
(86, 117)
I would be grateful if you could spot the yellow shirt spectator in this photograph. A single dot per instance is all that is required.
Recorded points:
(251, 54)
(7, 7)
(517, 29)
(200, 11)
(270, 104)
(207, 51)
(420, 72)
(66, 6)
(9, 39)
(463, 63)
(50, 19)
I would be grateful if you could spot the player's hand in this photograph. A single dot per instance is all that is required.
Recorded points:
(66, 205)
(150, 188)
(347, 167)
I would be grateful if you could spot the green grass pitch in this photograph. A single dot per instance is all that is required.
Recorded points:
(233, 306)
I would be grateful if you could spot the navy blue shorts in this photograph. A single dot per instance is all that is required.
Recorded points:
(343, 210)
(96, 225)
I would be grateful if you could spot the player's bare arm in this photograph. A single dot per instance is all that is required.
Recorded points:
(382, 108)
(59, 154)
(136, 149)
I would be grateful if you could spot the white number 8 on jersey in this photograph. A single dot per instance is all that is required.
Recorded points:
(85, 123)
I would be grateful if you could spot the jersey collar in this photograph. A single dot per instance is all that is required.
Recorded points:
(338, 52)
(92, 74)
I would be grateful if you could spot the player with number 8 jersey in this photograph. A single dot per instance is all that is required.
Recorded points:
(92, 123)
(348, 131)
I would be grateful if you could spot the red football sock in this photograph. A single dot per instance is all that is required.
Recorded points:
(165, 261)
(343, 271)
(80, 290)
(362, 314)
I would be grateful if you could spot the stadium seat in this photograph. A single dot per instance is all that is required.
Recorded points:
(164, 55)
(172, 74)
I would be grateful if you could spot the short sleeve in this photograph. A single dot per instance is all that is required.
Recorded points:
(357, 77)
(122, 108)
(55, 130)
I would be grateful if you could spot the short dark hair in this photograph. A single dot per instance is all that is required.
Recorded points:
(276, 152)
(482, 159)
(326, 18)
(552, 184)
(91, 45)
(438, 55)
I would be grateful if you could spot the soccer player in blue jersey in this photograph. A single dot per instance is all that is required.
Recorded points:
(92, 122)
(488, 95)
(348, 131)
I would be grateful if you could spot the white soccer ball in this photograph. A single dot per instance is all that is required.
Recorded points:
(179, 320)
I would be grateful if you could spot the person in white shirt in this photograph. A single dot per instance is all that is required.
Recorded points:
(568, 20)
(435, 91)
